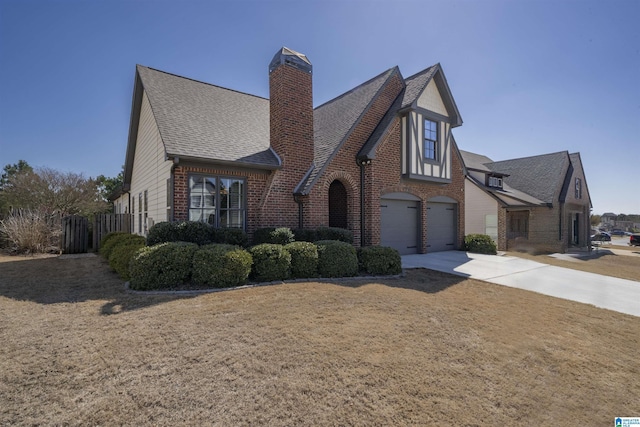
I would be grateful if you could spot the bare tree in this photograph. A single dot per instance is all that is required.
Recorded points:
(49, 191)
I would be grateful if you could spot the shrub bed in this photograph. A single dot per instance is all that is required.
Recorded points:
(195, 232)
(275, 236)
(113, 240)
(221, 266)
(230, 236)
(379, 260)
(336, 259)
(121, 256)
(270, 262)
(480, 244)
(162, 232)
(304, 259)
(161, 266)
(323, 233)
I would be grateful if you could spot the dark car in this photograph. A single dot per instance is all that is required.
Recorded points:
(601, 237)
(617, 233)
(634, 240)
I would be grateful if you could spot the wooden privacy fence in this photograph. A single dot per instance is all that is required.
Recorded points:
(75, 235)
(108, 223)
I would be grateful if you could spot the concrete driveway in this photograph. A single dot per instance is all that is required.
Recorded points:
(601, 291)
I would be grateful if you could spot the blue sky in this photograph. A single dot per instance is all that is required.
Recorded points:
(529, 77)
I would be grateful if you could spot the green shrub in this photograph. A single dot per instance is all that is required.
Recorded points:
(110, 236)
(230, 236)
(323, 233)
(480, 244)
(196, 232)
(119, 239)
(305, 234)
(304, 259)
(221, 266)
(164, 265)
(275, 236)
(379, 260)
(162, 232)
(121, 256)
(262, 235)
(333, 233)
(336, 259)
(270, 262)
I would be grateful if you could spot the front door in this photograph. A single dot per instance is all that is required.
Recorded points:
(576, 229)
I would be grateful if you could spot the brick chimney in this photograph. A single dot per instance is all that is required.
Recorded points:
(291, 131)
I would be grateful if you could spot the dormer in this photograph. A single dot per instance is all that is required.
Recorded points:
(428, 114)
(494, 180)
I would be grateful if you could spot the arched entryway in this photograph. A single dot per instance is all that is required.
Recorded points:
(338, 205)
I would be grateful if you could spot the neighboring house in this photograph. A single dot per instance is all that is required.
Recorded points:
(608, 219)
(537, 203)
(379, 160)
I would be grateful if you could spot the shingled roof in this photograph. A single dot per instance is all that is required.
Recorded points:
(334, 121)
(197, 120)
(540, 176)
(508, 195)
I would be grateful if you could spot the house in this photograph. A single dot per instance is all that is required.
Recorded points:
(538, 203)
(379, 160)
(608, 220)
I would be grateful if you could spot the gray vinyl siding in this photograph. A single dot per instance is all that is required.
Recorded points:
(150, 169)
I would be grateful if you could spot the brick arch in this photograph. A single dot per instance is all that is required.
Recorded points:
(344, 205)
(347, 180)
(401, 189)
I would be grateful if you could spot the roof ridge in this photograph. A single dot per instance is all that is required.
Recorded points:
(389, 71)
(531, 157)
(413, 76)
(201, 82)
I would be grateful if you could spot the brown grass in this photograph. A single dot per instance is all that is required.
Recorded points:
(601, 262)
(428, 349)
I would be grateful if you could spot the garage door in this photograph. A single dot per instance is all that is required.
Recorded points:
(399, 221)
(441, 227)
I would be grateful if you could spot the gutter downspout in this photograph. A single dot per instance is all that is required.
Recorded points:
(362, 164)
(298, 200)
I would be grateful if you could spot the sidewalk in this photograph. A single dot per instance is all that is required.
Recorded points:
(601, 291)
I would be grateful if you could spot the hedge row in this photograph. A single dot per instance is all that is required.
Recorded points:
(196, 232)
(171, 264)
(119, 249)
(284, 235)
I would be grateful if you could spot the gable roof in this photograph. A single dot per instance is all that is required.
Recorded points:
(408, 98)
(334, 121)
(506, 194)
(417, 84)
(201, 121)
(540, 176)
(576, 161)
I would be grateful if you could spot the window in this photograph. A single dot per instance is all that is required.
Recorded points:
(578, 188)
(218, 201)
(495, 182)
(139, 212)
(430, 139)
(146, 212)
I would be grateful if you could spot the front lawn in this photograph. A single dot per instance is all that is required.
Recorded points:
(428, 349)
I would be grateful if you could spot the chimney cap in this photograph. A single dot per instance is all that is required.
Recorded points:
(292, 58)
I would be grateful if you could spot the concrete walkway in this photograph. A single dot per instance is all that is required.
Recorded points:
(601, 291)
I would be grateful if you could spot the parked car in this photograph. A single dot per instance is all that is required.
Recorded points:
(634, 240)
(601, 237)
(617, 233)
